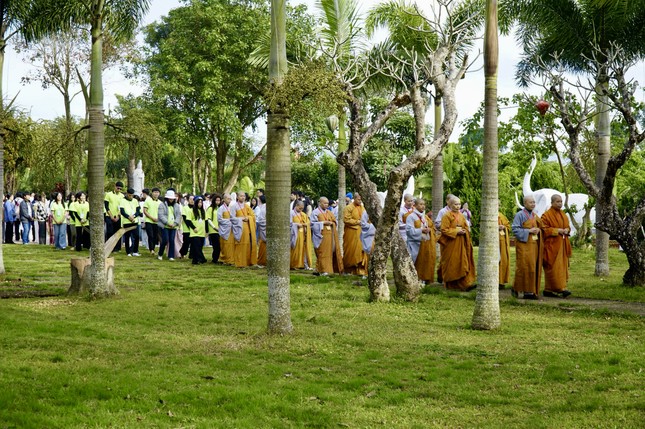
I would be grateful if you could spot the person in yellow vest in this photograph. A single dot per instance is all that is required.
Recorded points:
(301, 246)
(212, 226)
(324, 235)
(245, 252)
(226, 239)
(196, 222)
(81, 213)
(111, 203)
(59, 215)
(71, 213)
(151, 214)
(169, 215)
(421, 241)
(185, 210)
(130, 212)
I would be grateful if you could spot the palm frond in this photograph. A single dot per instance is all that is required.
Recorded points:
(341, 23)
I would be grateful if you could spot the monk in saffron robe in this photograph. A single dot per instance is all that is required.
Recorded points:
(557, 249)
(301, 245)
(422, 242)
(261, 223)
(457, 261)
(504, 229)
(226, 239)
(529, 248)
(325, 239)
(245, 251)
(355, 259)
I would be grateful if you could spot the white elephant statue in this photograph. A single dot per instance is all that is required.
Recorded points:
(543, 199)
(409, 189)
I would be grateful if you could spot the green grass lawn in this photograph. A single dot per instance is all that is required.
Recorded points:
(184, 347)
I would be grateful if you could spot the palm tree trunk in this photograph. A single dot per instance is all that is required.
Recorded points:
(603, 140)
(342, 180)
(98, 284)
(486, 314)
(437, 164)
(2, 45)
(278, 184)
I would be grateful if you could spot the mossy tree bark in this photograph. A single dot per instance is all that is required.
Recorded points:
(486, 314)
(278, 184)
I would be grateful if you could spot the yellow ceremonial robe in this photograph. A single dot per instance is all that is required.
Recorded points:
(227, 247)
(354, 259)
(557, 250)
(528, 260)
(246, 250)
(504, 249)
(457, 261)
(303, 251)
(328, 260)
(427, 257)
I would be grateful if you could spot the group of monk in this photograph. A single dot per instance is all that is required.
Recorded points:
(319, 232)
(541, 242)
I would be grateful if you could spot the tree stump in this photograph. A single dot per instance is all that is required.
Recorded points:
(80, 266)
(81, 274)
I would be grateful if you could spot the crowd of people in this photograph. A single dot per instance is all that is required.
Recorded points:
(180, 226)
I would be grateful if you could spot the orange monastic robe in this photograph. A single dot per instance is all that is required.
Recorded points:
(528, 249)
(246, 250)
(262, 253)
(328, 257)
(227, 246)
(457, 261)
(303, 252)
(354, 258)
(427, 256)
(504, 249)
(557, 250)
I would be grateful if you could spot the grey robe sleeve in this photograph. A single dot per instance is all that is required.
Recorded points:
(223, 224)
(521, 234)
(368, 231)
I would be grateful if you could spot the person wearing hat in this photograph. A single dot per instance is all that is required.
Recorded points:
(112, 201)
(169, 219)
(151, 213)
(196, 222)
(130, 212)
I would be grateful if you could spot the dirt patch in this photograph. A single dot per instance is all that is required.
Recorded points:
(573, 303)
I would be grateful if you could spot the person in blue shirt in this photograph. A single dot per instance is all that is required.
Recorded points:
(9, 219)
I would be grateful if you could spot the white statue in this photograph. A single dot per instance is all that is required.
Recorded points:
(409, 189)
(138, 178)
(543, 199)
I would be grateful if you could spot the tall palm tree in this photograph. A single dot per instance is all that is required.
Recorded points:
(278, 181)
(582, 33)
(119, 18)
(14, 20)
(486, 314)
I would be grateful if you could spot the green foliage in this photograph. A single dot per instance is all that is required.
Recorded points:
(308, 91)
(315, 176)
